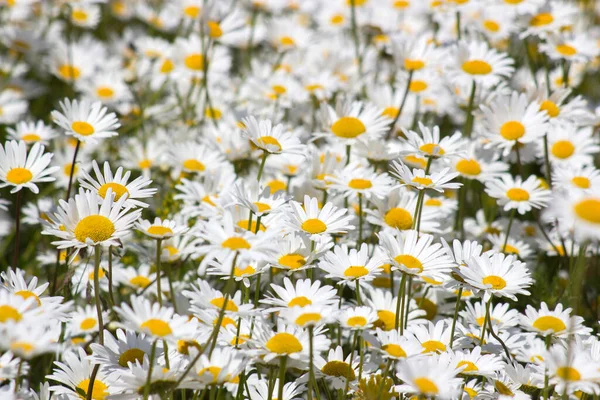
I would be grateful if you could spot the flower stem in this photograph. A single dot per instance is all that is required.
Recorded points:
(97, 294)
(282, 366)
(485, 320)
(17, 228)
(310, 363)
(470, 116)
(355, 35)
(510, 222)
(358, 299)
(262, 166)
(151, 364)
(72, 171)
(110, 277)
(399, 308)
(360, 219)
(402, 102)
(456, 308)
(158, 254)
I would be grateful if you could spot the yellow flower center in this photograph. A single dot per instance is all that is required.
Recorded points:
(243, 224)
(432, 149)
(581, 182)
(9, 313)
(508, 249)
(422, 180)
(140, 281)
(219, 302)
(292, 261)
(337, 19)
(284, 343)
(549, 322)
(348, 127)
(409, 262)
(513, 2)
(503, 389)
(131, 356)
(568, 373)
(214, 29)
(99, 389)
(356, 271)
(31, 137)
(427, 305)
(145, 163)
(239, 272)
(213, 113)
(69, 71)
(212, 370)
(276, 185)
(262, 207)
(118, 189)
(192, 11)
(82, 128)
(517, 194)
(79, 15)
(401, 4)
(194, 62)
(550, 107)
(390, 112)
(299, 301)
(314, 226)
(269, 142)
(19, 175)
(398, 218)
(308, 319)
(167, 66)
(413, 65)
(28, 294)
(541, 19)
(105, 92)
(159, 230)
(418, 86)
(589, 210)
(433, 346)
(566, 50)
(563, 149)
(97, 228)
(426, 386)
(23, 347)
(339, 369)
(157, 327)
(468, 167)
(193, 165)
(360, 184)
(476, 67)
(394, 350)
(512, 130)
(495, 281)
(469, 366)
(472, 393)
(491, 26)
(356, 321)
(236, 243)
(387, 318)
(87, 324)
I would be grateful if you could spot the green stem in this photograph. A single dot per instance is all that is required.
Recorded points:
(311, 376)
(282, 366)
(399, 308)
(470, 116)
(158, 288)
(151, 365)
(358, 299)
(456, 308)
(402, 102)
(110, 277)
(97, 294)
(510, 222)
(262, 166)
(355, 36)
(360, 219)
(485, 320)
(458, 27)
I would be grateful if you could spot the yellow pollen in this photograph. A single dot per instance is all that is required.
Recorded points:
(418, 86)
(348, 127)
(99, 389)
(401, 4)
(87, 324)
(292, 261)
(563, 149)
(284, 343)
(394, 350)
(566, 50)
(19, 176)
(314, 226)
(269, 143)
(386, 320)
(8, 313)
(287, 41)
(167, 66)
(581, 182)
(23, 347)
(469, 366)
(433, 346)
(236, 243)
(476, 67)
(83, 128)
(118, 189)
(468, 167)
(299, 301)
(356, 271)
(413, 65)
(550, 107)
(503, 389)
(308, 319)
(495, 281)
(140, 281)
(239, 272)
(424, 181)
(568, 373)
(517, 194)
(213, 113)
(69, 71)
(390, 112)
(79, 15)
(339, 369)
(157, 327)
(212, 370)
(541, 19)
(219, 302)
(432, 149)
(412, 159)
(193, 165)
(28, 294)
(472, 393)
(159, 230)
(357, 321)
(508, 249)
(96, 228)
(276, 185)
(409, 262)
(194, 62)
(31, 137)
(426, 386)
(513, 2)
(145, 164)
(549, 322)
(225, 322)
(214, 29)
(398, 218)
(192, 11)
(130, 356)
(360, 184)
(243, 224)
(262, 207)
(105, 92)
(337, 19)
(588, 210)
(512, 130)
(491, 26)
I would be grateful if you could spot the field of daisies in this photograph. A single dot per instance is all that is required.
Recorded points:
(299, 199)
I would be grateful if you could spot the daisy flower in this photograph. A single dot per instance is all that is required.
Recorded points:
(134, 190)
(395, 346)
(428, 376)
(309, 220)
(476, 62)
(350, 264)
(87, 222)
(355, 179)
(302, 293)
(429, 144)
(31, 132)
(571, 368)
(308, 316)
(84, 321)
(397, 211)
(222, 366)
(584, 178)
(85, 121)
(473, 363)
(479, 165)
(549, 19)
(512, 120)
(336, 368)
(557, 322)
(578, 213)
(417, 178)
(118, 353)
(161, 229)
(516, 194)
(350, 121)
(21, 169)
(571, 146)
(271, 139)
(357, 318)
(258, 200)
(497, 274)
